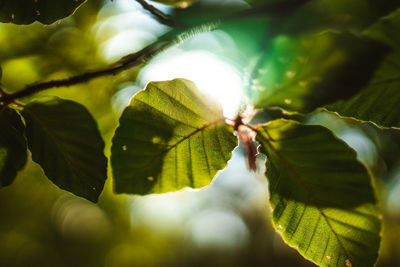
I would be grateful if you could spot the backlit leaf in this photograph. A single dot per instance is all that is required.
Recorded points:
(171, 136)
(322, 199)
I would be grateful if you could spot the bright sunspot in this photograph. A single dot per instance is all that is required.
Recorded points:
(210, 73)
(209, 59)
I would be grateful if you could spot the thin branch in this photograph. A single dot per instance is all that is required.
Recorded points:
(158, 14)
(145, 54)
(123, 64)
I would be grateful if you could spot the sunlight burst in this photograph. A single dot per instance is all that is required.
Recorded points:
(210, 73)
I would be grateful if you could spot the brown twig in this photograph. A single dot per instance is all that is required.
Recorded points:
(123, 64)
(143, 55)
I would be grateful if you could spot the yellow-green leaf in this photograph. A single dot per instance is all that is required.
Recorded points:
(171, 136)
(322, 199)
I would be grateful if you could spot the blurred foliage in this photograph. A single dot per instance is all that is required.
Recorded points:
(222, 225)
(378, 101)
(45, 11)
(316, 70)
(178, 3)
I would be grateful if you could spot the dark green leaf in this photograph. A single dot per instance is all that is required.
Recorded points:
(171, 136)
(379, 101)
(305, 73)
(28, 11)
(322, 198)
(273, 113)
(13, 151)
(64, 139)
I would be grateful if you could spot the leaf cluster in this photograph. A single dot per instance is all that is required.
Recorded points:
(172, 136)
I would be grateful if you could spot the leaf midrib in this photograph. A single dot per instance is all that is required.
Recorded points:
(158, 156)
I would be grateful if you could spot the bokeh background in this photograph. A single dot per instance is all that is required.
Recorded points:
(224, 224)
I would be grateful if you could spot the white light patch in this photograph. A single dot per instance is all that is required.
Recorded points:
(219, 229)
(210, 73)
(123, 27)
(365, 148)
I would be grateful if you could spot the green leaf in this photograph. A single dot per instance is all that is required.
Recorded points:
(44, 11)
(171, 136)
(378, 102)
(272, 113)
(322, 199)
(13, 150)
(64, 139)
(304, 73)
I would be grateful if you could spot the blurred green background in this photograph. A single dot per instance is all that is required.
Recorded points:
(224, 224)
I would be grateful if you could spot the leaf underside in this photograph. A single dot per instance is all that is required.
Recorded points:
(44, 11)
(170, 137)
(64, 139)
(322, 199)
(13, 149)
